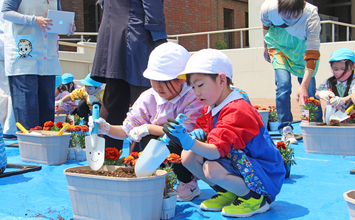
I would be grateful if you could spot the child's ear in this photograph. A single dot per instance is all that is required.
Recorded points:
(222, 79)
(182, 81)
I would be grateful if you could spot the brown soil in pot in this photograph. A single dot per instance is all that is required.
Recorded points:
(123, 172)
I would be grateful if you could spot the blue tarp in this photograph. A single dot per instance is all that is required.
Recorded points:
(314, 190)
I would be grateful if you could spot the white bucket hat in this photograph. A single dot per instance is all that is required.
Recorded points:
(208, 61)
(166, 61)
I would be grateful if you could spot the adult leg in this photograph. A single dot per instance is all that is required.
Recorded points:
(46, 97)
(283, 97)
(115, 107)
(24, 95)
(312, 93)
(135, 92)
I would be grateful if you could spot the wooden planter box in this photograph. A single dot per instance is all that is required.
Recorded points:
(338, 140)
(47, 148)
(101, 197)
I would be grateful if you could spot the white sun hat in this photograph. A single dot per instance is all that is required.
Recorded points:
(208, 61)
(166, 61)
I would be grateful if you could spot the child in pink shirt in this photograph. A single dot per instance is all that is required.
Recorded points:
(168, 97)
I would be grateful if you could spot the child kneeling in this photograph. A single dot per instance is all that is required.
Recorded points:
(230, 148)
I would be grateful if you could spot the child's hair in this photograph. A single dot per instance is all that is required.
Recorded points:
(169, 82)
(291, 8)
(332, 81)
(69, 87)
(212, 76)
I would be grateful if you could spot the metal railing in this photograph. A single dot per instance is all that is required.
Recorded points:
(208, 33)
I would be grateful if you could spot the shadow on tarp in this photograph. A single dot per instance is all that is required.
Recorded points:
(19, 169)
(285, 210)
(293, 178)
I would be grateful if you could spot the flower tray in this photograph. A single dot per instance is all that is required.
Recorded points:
(350, 199)
(102, 197)
(337, 140)
(48, 148)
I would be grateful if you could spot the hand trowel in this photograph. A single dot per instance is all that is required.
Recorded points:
(154, 154)
(341, 116)
(329, 110)
(95, 146)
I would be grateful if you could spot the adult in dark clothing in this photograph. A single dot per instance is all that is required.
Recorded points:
(129, 31)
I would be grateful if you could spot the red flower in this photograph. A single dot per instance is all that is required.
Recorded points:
(281, 144)
(173, 158)
(46, 128)
(263, 109)
(84, 128)
(76, 128)
(112, 153)
(134, 154)
(48, 124)
(59, 124)
(38, 128)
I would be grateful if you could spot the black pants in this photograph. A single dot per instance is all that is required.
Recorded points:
(118, 96)
(183, 174)
(83, 110)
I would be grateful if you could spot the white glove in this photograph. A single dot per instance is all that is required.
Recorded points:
(58, 103)
(325, 95)
(137, 133)
(336, 101)
(92, 99)
(104, 127)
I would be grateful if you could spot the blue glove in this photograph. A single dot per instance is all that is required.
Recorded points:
(199, 134)
(177, 132)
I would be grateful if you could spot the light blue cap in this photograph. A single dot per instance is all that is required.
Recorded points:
(342, 54)
(58, 81)
(67, 78)
(90, 82)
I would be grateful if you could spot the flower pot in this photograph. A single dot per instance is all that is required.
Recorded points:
(71, 154)
(350, 199)
(265, 116)
(168, 209)
(274, 125)
(102, 197)
(337, 140)
(80, 154)
(48, 148)
(288, 169)
(59, 118)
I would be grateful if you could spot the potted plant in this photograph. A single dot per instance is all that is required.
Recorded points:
(112, 159)
(107, 195)
(48, 148)
(273, 119)
(263, 112)
(309, 111)
(288, 156)
(170, 198)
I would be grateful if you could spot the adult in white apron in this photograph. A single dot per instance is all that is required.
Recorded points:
(7, 117)
(31, 59)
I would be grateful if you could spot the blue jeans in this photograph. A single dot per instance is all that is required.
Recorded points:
(283, 97)
(32, 99)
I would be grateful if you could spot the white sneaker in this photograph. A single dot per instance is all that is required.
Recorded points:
(287, 135)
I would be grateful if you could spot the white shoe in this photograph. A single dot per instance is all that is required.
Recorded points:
(287, 135)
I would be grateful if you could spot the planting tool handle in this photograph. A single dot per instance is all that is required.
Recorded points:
(179, 119)
(23, 129)
(348, 110)
(95, 115)
(64, 128)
